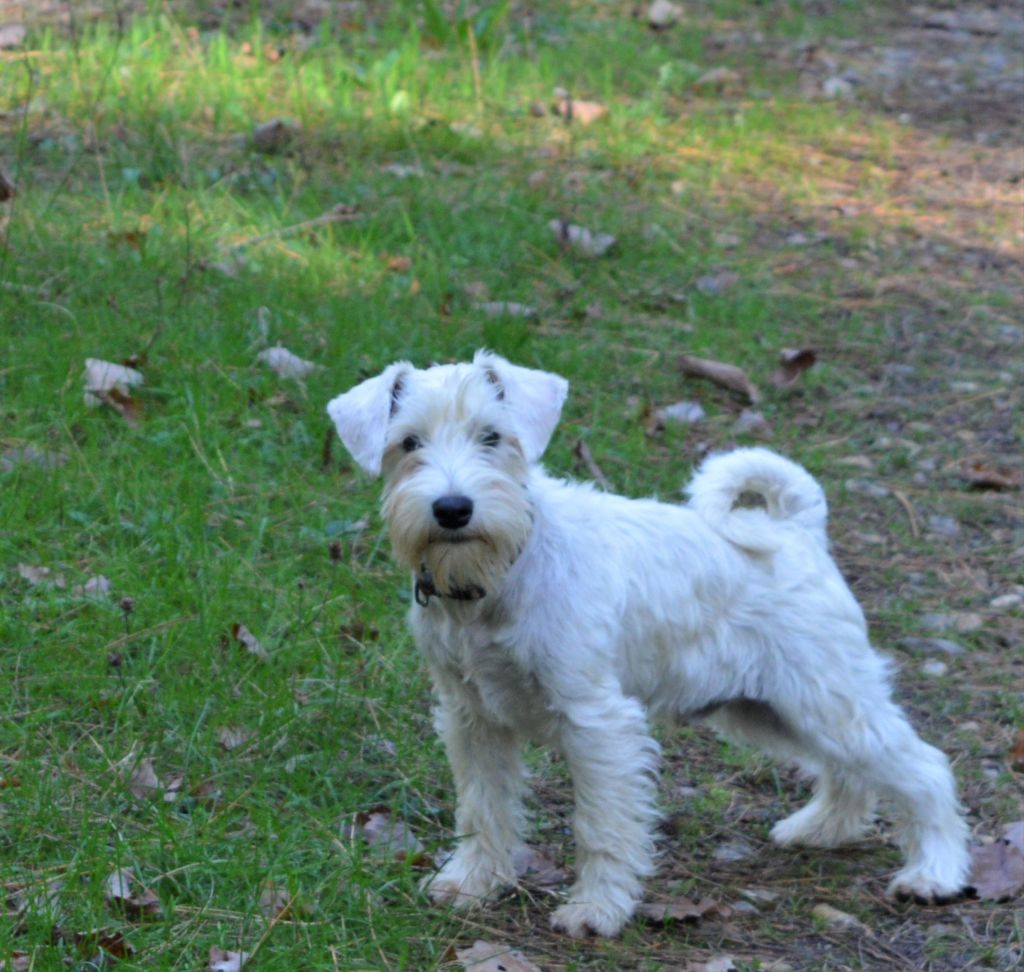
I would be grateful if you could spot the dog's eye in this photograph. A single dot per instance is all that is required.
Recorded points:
(411, 443)
(490, 438)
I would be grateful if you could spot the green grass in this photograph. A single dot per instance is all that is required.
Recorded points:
(136, 176)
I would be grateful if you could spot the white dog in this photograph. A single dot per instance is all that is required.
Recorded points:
(551, 611)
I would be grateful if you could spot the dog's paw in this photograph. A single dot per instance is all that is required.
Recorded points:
(464, 884)
(809, 828)
(582, 918)
(928, 886)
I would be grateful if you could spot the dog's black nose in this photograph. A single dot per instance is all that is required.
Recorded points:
(453, 512)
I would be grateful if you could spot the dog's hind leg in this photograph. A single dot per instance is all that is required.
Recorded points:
(867, 745)
(840, 811)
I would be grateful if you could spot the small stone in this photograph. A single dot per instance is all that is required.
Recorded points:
(1006, 602)
(945, 526)
(934, 667)
(836, 918)
(733, 850)
(943, 645)
(752, 423)
(867, 487)
(685, 413)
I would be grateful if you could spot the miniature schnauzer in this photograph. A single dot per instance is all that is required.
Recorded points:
(551, 611)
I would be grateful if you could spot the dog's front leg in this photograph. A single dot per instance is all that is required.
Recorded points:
(613, 762)
(489, 780)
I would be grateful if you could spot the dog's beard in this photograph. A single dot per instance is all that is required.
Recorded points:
(467, 563)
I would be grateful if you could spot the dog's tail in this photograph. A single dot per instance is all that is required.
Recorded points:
(781, 490)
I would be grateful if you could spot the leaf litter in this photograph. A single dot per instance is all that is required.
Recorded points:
(997, 869)
(121, 894)
(492, 957)
(580, 239)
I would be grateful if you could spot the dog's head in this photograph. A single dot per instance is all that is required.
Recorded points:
(454, 443)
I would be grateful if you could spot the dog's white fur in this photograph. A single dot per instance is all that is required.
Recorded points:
(572, 617)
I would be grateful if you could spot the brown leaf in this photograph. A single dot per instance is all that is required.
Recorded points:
(384, 833)
(399, 264)
(581, 451)
(40, 575)
(135, 905)
(536, 868)
(682, 909)
(584, 112)
(725, 375)
(144, 782)
(233, 737)
(130, 409)
(100, 942)
(792, 364)
(222, 960)
(997, 870)
(492, 957)
(19, 962)
(1017, 754)
(249, 642)
(979, 475)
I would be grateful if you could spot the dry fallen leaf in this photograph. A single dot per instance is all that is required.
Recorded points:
(792, 364)
(682, 909)
(584, 112)
(19, 962)
(103, 378)
(383, 832)
(580, 239)
(1017, 754)
(144, 782)
(399, 264)
(536, 868)
(41, 575)
(979, 475)
(753, 423)
(222, 960)
(135, 905)
(997, 870)
(233, 737)
(249, 642)
(491, 957)
(99, 944)
(274, 135)
(285, 364)
(725, 375)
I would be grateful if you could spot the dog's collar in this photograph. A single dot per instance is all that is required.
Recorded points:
(425, 590)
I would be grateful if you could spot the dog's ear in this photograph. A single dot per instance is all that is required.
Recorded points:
(533, 397)
(361, 414)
